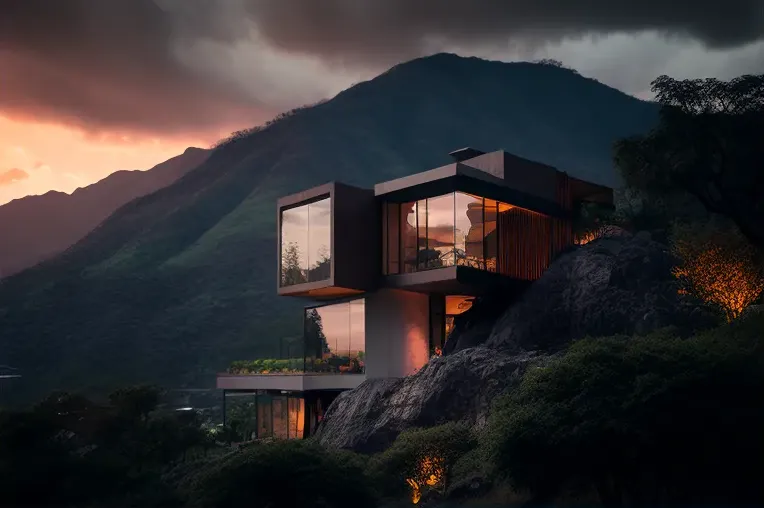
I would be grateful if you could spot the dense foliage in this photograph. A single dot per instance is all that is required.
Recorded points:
(649, 420)
(289, 474)
(87, 453)
(708, 144)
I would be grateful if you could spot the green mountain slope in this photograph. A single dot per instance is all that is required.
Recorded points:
(176, 284)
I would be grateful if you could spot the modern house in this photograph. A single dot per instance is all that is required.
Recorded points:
(389, 268)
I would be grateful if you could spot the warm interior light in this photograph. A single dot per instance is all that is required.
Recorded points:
(429, 471)
(727, 278)
(586, 237)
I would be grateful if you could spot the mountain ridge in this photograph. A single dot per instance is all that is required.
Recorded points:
(175, 285)
(37, 227)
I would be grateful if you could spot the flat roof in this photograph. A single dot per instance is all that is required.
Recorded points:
(461, 177)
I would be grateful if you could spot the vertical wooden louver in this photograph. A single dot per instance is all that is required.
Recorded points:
(524, 251)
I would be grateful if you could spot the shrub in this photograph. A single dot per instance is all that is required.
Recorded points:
(718, 265)
(280, 474)
(424, 457)
(651, 419)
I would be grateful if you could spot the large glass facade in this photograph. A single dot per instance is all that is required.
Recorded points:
(306, 243)
(452, 229)
(335, 338)
(252, 415)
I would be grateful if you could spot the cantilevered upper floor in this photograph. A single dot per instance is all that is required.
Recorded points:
(486, 219)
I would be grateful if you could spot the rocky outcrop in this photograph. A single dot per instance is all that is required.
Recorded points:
(450, 388)
(617, 284)
(621, 283)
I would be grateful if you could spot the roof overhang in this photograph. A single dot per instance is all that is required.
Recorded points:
(459, 177)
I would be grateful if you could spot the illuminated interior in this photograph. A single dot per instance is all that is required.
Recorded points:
(455, 305)
(465, 230)
(252, 415)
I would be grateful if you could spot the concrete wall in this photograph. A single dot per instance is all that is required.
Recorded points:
(397, 333)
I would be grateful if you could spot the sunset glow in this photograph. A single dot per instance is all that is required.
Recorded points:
(56, 157)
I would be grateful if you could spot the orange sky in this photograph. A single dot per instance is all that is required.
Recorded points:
(62, 158)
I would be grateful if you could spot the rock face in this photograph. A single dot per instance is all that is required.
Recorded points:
(621, 283)
(461, 386)
(617, 284)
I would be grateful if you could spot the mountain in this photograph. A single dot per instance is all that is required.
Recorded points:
(177, 284)
(36, 228)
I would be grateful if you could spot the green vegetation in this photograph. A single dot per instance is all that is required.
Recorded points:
(280, 474)
(644, 420)
(268, 366)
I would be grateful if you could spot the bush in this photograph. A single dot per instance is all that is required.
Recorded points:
(418, 455)
(651, 419)
(280, 474)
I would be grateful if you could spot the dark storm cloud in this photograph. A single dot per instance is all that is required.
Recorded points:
(392, 29)
(114, 64)
(109, 63)
(12, 175)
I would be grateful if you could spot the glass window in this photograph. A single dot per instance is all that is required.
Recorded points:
(490, 235)
(241, 415)
(335, 338)
(280, 417)
(469, 230)
(421, 224)
(409, 237)
(264, 416)
(296, 418)
(306, 243)
(440, 231)
(392, 238)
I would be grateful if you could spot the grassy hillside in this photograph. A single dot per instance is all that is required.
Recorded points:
(176, 284)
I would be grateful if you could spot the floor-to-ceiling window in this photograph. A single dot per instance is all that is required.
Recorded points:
(306, 243)
(259, 415)
(335, 338)
(452, 229)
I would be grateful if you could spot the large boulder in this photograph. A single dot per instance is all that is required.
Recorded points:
(618, 284)
(459, 387)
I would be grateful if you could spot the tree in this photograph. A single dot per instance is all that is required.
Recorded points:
(717, 265)
(291, 271)
(708, 144)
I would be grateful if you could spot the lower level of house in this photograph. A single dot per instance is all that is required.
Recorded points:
(262, 414)
(389, 333)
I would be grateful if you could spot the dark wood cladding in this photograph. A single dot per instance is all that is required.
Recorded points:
(524, 243)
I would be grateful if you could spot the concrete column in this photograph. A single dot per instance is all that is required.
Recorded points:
(397, 333)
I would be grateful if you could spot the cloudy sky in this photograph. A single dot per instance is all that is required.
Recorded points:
(88, 87)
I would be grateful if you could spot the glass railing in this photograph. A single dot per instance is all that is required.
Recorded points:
(333, 364)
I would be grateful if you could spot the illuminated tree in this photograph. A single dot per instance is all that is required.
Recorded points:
(717, 265)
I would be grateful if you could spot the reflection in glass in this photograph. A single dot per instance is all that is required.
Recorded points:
(306, 243)
(241, 415)
(335, 338)
(469, 230)
(440, 231)
(409, 236)
(262, 415)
